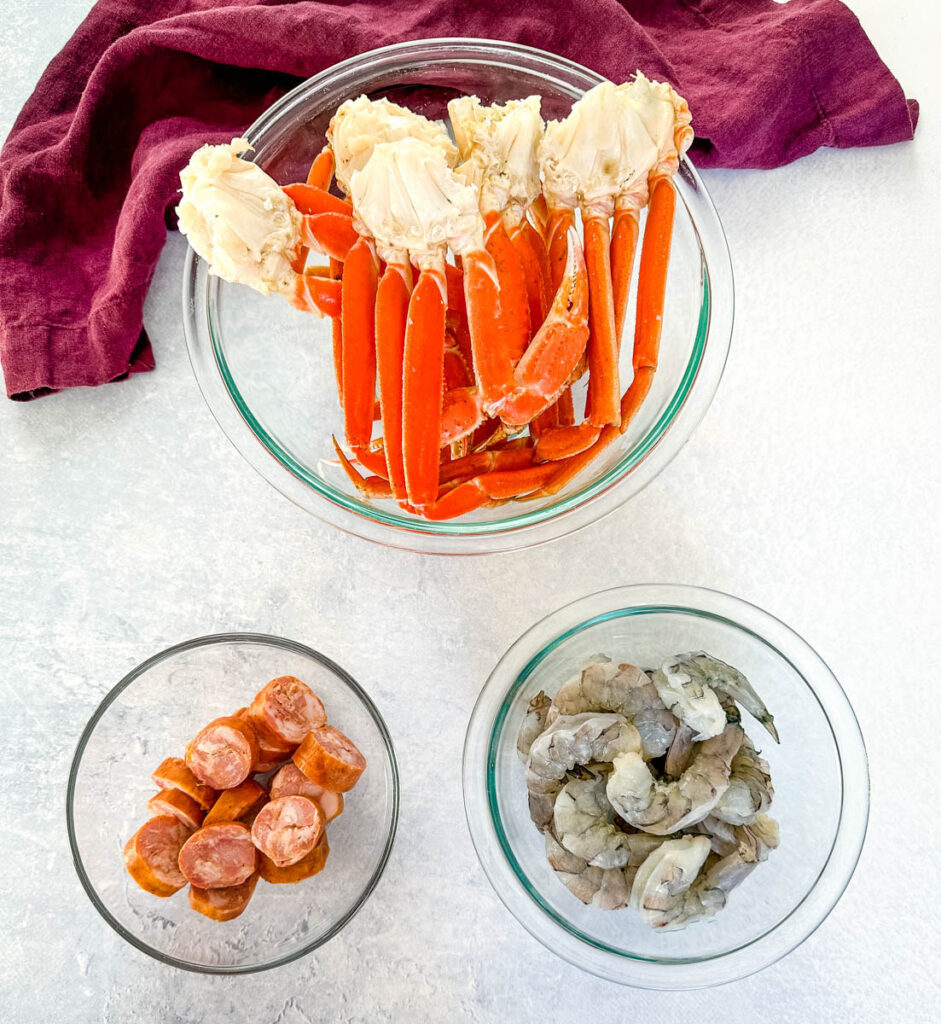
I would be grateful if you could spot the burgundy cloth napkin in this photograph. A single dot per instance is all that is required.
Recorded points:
(88, 175)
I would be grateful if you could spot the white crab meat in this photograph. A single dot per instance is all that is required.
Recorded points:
(602, 149)
(238, 219)
(497, 146)
(408, 199)
(360, 125)
(665, 116)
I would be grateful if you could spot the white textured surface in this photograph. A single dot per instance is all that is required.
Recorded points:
(812, 489)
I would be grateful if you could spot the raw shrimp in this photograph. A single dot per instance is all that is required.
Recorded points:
(533, 724)
(604, 685)
(577, 739)
(750, 790)
(583, 822)
(681, 750)
(605, 888)
(542, 804)
(667, 891)
(657, 728)
(689, 685)
(661, 807)
(721, 834)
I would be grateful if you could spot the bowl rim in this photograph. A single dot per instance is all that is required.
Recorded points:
(214, 639)
(509, 880)
(597, 497)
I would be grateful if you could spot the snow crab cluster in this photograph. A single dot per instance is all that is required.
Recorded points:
(461, 292)
(648, 790)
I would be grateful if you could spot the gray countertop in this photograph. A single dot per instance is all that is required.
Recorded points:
(812, 489)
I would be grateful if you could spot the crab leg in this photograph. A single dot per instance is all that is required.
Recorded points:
(373, 458)
(623, 249)
(514, 321)
(370, 486)
(480, 490)
(534, 260)
(321, 170)
(315, 292)
(492, 366)
(336, 271)
(561, 220)
(479, 463)
(603, 387)
(311, 199)
(423, 381)
(651, 290)
(360, 281)
(543, 372)
(330, 233)
(392, 302)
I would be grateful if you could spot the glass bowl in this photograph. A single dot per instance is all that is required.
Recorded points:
(266, 369)
(820, 774)
(152, 714)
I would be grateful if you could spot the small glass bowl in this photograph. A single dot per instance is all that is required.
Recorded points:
(266, 371)
(152, 714)
(820, 775)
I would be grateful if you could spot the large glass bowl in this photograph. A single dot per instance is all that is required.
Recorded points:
(266, 369)
(819, 770)
(152, 714)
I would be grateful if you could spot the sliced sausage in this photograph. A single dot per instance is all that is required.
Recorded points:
(236, 803)
(271, 754)
(178, 804)
(218, 856)
(223, 904)
(287, 829)
(152, 854)
(223, 753)
(173, 773)
(330, 759)
(286, 710)
(310, 865)
(291, 781)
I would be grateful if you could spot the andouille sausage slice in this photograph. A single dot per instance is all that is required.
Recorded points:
(285, 710)
(222, 754)
(152, 855)
(271, 754)
(330, 759)
(218, 856)
(178, 804)
(172, 773)
(223, 904)
(291, 781)
(310, 865)
(236, 803)
(287, 829)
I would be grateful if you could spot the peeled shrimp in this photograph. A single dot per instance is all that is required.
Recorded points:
(689, 685)
(670, 893)
(533, 724)
(577, 739)
(605, 888)
(681, 750)
(583, 822)
(657, 728)
(750, 790)
(604, 685)
(660, 806)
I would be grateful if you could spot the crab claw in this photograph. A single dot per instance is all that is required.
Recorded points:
(544, 371)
